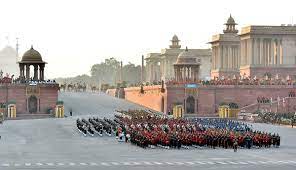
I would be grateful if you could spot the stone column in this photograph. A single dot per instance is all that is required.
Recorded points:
(264, 52)
(27, 71)
(229, 57)
(281, 52)
(242, 52)
(221, 56)
(41, 72)
(261, 51)
(219, 59)
(255, 51)
(268, 52)
(35, 72)
(272, 47)
(278, 52)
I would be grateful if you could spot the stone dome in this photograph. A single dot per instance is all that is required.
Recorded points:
(230, 21)
(32, 56)
(187, 57)
(175, 38)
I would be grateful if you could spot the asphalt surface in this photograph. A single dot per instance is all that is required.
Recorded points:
(56, 144)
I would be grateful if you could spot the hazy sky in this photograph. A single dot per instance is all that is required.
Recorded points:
(71, 35)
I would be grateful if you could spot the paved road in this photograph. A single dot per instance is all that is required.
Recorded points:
(56, 144)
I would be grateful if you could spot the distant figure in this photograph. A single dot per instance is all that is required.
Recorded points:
(71, 112)
(235, 145)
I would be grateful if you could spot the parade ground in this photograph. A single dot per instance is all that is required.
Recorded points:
(56, 144)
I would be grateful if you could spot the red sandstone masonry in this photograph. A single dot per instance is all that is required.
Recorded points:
(209, 97)
(17, 92)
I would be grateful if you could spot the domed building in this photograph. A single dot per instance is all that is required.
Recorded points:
(32, 58)
(187, 67)
(30, 96)
(160, 66)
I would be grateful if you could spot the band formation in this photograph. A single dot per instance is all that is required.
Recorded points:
(149, 130)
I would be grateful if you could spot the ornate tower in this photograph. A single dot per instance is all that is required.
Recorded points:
(230, 26)
(225, 52)
(175, 42)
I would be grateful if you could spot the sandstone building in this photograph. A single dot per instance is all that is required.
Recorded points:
(258, 51)
(160, 66)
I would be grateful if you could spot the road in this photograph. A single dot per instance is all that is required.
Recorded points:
(56, 144)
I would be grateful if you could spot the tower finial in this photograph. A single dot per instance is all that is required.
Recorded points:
(32, 46)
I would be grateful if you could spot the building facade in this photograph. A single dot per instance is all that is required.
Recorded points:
(226, 51)
(160, 66)
(258, 51)
(268, 50)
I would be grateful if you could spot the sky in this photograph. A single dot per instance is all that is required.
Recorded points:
(72, 35)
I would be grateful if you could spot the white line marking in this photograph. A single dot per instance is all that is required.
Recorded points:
(190, 163)
(127, 163)
(252, 162)
(158, 163)
(72, 164)
(219, 162)
(39, 164)
(105, 164)
(147, 163)
(211, 163)
(244, 163)
(93, 164)
(17, 164)
(169, 163)
(84, 164)
(50, 164)
(27, 164)
(61, 164)
(114, 163)
(201, 162)
(136, 163)
(179, 163)
(294, 162)
(5, 164)
(234, 163)
(262, 162)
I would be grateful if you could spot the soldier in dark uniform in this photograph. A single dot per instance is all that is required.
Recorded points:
(235, 145)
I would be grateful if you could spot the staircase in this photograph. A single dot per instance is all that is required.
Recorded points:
(31, 116)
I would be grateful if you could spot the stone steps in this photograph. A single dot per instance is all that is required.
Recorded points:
(31, 116)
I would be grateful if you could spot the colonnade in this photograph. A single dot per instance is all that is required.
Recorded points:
(25, 71)
(261, 51)
(225, 57)
(186, 73)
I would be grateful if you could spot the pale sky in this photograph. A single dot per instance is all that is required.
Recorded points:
(72, 35)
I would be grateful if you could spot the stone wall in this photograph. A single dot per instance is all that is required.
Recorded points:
(151, 98)
(208, 98)
(47, 96)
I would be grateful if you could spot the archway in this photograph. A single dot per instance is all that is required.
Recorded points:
(190, 103)
(32, 104)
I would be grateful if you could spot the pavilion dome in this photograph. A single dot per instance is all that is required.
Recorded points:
(32, 55)
(230, 21)
(187, 57)
(175, 38)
